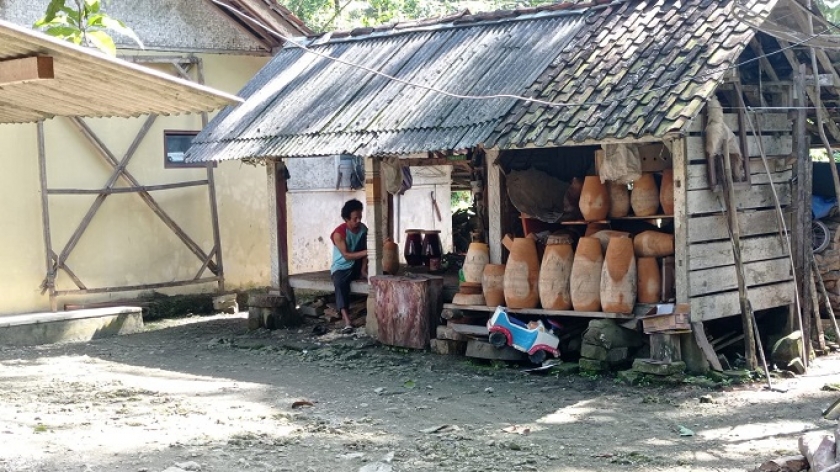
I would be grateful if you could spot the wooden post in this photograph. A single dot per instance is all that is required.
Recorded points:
(680, 165)
(214, 220)
(376, 211)
(277, 308)
(49, 282)
(278, 227)
(376, 203)
(493, 189)
(802, 211)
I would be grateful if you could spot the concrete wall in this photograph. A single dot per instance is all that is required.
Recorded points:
(315, 209)
(126, 244)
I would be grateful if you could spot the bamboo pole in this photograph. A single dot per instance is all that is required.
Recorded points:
(735, 237)
(49, 282)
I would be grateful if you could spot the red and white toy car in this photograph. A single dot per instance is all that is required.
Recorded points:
(535, 340)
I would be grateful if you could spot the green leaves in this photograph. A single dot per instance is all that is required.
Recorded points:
(84, 23)
(103, 41)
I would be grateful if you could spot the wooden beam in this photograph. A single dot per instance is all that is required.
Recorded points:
(142, 188)
(433, 161)
(763, 61)
(541, 312)
(49, 282)
(493, 189)
(830, 125)
(26, 69)
(131, 288)
(376, 211)
(802, 231)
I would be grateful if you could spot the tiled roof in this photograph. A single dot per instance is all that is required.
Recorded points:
(643, 69)
(647, 66)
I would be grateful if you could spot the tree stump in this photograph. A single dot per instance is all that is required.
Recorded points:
(271, 311)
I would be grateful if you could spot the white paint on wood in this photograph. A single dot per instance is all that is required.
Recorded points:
(757, 196)
(752, 223)
(721, 279)
(727, 304)
(717, 254)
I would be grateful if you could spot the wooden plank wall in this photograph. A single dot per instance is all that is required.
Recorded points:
(712, 286)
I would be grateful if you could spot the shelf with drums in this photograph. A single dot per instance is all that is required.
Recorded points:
(622, 260)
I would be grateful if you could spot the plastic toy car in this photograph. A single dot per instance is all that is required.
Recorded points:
(537, 342)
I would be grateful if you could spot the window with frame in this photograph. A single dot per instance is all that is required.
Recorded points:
(175, 145)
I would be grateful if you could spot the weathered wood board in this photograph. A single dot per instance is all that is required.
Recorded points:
(758, 196)
(719, 253)
(698, 174)
(752, 223)
(727, 304)
(766, 122)
(406, 309)
(774, 145)
(721, 279)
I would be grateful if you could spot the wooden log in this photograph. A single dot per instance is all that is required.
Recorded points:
(470, 330)
(818, 449)
(406, 309)
(448, 347)
(665, 347)
(485, 350)
(784, 464)
(448, 333)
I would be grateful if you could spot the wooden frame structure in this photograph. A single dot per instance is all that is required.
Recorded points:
(57, 261)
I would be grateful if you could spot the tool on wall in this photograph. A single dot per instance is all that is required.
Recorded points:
(435, 206)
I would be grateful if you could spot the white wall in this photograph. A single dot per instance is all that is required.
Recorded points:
(314, 207)
(126, 244)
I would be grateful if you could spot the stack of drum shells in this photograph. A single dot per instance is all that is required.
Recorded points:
(607, 271)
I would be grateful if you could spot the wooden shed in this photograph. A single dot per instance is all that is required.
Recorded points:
(550, 88)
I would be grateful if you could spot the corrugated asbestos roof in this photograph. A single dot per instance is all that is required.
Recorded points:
(88, 83)
(646, 65)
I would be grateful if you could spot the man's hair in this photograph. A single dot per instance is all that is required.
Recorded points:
(349, 207)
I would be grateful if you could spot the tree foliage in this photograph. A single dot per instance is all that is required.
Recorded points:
(83, 22)
(831, 11)
(329, 15)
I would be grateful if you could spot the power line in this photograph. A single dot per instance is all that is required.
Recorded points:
(510, 96)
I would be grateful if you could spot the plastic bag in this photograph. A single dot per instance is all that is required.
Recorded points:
(622, 163)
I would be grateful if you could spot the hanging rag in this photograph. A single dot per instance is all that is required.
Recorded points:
(396, 175)
(622, 163)
(719, 138)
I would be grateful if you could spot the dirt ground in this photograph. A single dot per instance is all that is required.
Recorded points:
(205, 394)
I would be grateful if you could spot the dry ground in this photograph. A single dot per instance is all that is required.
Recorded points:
(204, 393)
